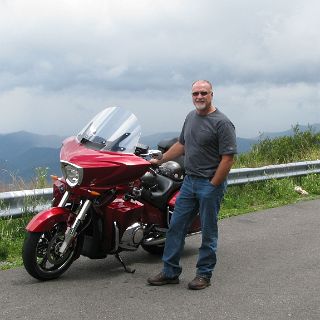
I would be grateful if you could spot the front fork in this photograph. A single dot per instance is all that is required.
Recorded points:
(71, 232)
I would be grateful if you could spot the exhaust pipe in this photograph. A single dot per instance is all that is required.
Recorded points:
(154, 242)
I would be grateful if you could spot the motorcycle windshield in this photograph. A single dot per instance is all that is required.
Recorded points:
(113, 129)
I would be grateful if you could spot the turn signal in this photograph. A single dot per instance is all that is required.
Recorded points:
(94, 193)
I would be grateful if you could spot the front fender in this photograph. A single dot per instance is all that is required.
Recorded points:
(45, 220)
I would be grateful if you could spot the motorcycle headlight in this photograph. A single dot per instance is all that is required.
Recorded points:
(72, 173)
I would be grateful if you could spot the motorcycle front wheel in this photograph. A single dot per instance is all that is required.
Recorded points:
(41, 256)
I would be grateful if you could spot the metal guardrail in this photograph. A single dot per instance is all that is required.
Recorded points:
(295, 169)
(15, 203)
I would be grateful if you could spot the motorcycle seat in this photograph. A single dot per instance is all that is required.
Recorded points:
(160, 197)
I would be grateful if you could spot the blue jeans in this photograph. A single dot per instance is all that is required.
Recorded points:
(197, 195)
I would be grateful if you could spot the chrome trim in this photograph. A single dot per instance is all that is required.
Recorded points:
(193, 234)
(64, 199)
(169, 214)
(116, 237)
(154, 242)
(82, 214)
(71, 232)
(163, 230)
(132, 233)
(71, 164)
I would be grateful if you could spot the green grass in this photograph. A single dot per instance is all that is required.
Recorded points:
(12, 232)
(302, 146)
(269, 194)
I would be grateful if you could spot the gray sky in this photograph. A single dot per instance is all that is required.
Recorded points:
(63, 61)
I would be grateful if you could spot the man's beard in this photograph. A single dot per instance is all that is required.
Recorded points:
(200, 106)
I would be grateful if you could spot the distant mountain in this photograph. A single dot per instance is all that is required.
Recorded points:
(21, 152)
(314, 127)
(37, 157)
(15, 144)
(244, 145)
(152, 141)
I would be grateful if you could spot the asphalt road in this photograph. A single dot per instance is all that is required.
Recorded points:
(268, 268)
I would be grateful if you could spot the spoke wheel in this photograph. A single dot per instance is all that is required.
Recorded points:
(41, 256)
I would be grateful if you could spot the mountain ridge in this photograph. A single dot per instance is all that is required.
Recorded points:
(314, 127)
(22, 152)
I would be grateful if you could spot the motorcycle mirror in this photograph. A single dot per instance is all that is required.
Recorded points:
(156, 154)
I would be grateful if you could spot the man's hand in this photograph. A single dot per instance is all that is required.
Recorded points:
(155, 162)
(223, 169)
(175, 151)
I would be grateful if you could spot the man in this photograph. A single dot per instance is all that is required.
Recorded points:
(208, 142)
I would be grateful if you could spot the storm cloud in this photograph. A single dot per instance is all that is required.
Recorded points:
(63, 61)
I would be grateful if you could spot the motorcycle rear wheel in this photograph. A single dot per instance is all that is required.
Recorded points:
(41, 255)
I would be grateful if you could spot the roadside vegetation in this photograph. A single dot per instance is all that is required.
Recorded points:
(302, 146)
(12, 233)
(12, 230)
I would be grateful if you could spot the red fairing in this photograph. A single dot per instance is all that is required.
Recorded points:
(45, 220)
(103, 168)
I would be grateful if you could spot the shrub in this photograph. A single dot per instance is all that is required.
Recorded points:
(4, 250)
(302, 146)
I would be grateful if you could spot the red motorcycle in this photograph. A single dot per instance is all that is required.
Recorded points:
(110, 199)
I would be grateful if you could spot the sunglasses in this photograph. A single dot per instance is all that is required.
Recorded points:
(202, 93)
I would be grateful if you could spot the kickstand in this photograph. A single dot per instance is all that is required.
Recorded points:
(126, 269)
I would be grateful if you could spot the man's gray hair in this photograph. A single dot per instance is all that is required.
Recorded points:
(208, 82)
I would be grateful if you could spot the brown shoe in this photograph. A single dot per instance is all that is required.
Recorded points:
(160, 279)
(199, 283)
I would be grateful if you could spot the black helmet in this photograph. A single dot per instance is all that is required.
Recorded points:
(149, 180)
(172, 170)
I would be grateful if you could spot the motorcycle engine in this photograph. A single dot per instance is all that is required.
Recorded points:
(132, 237)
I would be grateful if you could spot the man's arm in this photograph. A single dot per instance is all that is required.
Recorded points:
(175, 151)
(223, 169)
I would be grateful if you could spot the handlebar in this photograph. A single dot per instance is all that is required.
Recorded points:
(152, 154)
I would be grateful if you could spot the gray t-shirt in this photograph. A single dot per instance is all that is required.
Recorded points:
(205, 139)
